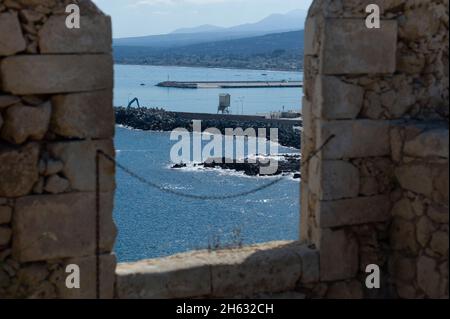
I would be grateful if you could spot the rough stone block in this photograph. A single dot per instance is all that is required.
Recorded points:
(349, 47)
(223, 273)
(312, 230)
(354, 9)
(335, 99)
(11, 37)
(33, 275)
(440, 183)
(354, 211)
(52, 167)
(432, 143)
(311, 65)
(307, 148)
(310, 265)
(368, 186)
(439, 243)
(416, 177)
(305, 154)
(180, 276)
(311, 37)
(79, 160)
(8, 100)
(5, 235)
(31, 16)
(428, 277)
(304, 207)
(406, 290)
(345, 290)
(354, 139)
(420, 22)
(396, 140)
(83, 115)
(278, 269)
(88, 278)
(439, 214)
(26, 122)
(56, 184)
(5, 214)
(402, 268)
(403, 236)
(61, 226)
(18, 170)
(308, 119)
(331, 180)
(373, 107)
(403, 209)
(49, 74)
(338, 255)
(94, 36)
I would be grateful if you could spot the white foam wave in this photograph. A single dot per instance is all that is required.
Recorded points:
(192, 168)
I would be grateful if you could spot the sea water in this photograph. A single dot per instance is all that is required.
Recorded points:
(153, 223)
(140, 81)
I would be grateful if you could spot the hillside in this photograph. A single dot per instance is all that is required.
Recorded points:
(181, 39)
(275, 23)
(199, 29)
(288, 41)
(281, 51)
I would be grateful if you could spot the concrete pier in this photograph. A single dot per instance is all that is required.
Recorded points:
(231, 84)
(233, 117)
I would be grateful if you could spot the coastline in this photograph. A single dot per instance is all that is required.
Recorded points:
(213, 67)
(159, 120)
(287, 164)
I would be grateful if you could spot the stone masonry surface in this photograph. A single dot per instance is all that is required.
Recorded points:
(55, 112)
(377, 193)
(379, 188)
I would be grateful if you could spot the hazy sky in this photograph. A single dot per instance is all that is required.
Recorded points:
(145, 17)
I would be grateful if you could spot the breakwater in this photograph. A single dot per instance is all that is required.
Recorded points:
(156, 119)
(231, 84)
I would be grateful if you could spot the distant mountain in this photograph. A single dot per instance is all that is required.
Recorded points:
(181, 39)
(294, 20)
(275, 23)
(279, 51)
(200, 29)
(287, 41)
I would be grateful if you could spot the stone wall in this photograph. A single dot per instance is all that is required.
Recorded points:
(377, 101)
(419, 230)
(374, 180)
(375, 174)
(258, 271)
(55, 113)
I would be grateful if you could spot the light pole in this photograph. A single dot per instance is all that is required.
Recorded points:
(241, 99)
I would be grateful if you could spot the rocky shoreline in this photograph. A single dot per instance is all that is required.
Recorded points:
(155, 119)
(287, 164)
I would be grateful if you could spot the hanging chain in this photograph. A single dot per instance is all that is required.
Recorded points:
(181, 194)
(151, 184)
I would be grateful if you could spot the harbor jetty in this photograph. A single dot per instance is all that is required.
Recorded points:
(231, 84)
(156, 119)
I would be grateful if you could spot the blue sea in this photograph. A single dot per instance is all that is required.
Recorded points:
(153, 223)
(139, 81)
